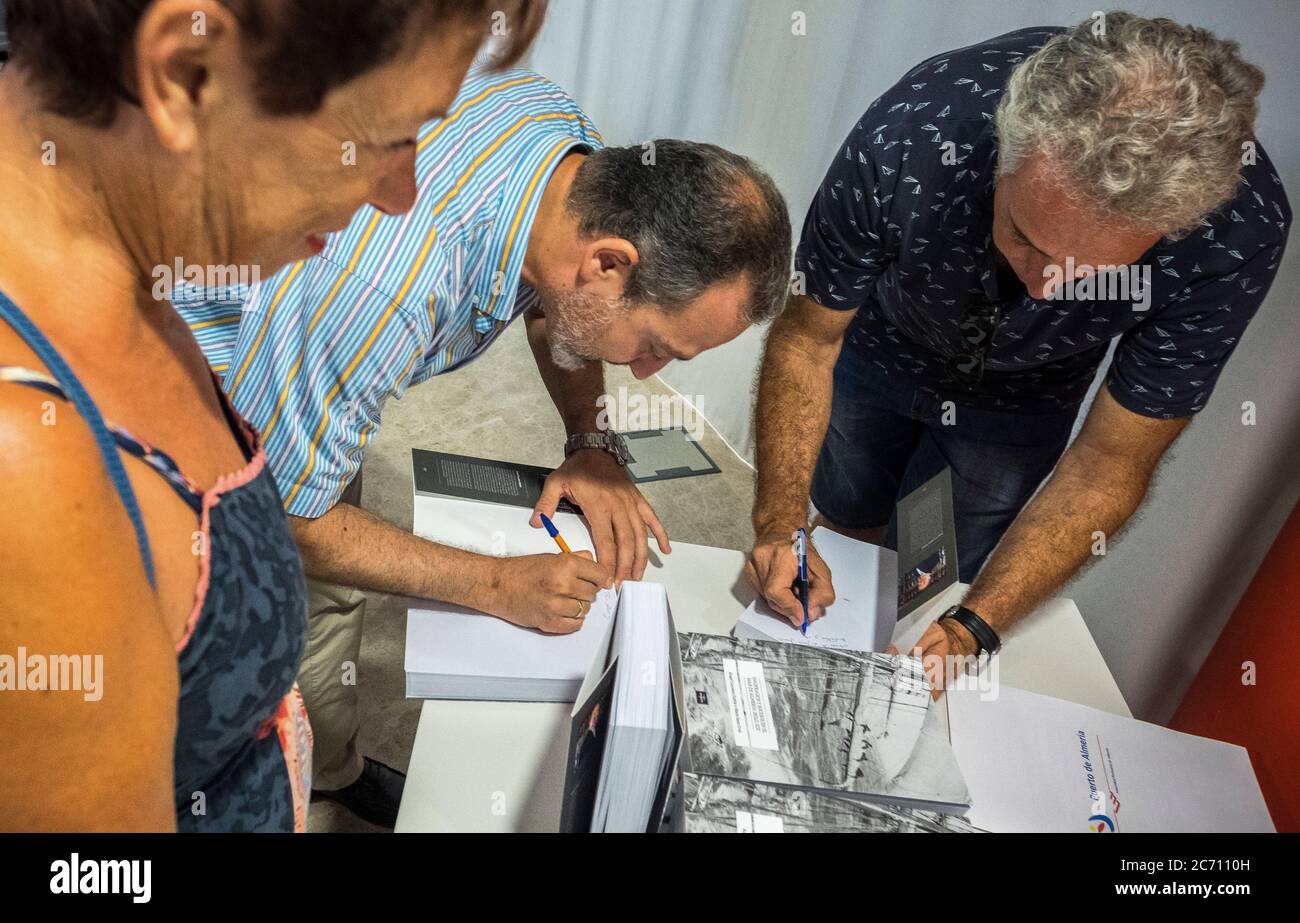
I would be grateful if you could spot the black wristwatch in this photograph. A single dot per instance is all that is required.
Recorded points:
(986, 639)
(607, 441)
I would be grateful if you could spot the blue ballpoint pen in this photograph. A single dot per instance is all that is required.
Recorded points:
(801, 544)
(555, 533)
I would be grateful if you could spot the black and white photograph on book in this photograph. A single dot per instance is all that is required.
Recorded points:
(450, 417)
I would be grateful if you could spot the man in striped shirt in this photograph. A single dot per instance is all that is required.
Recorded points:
(635, 256)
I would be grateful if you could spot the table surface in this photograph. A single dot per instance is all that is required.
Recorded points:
(499, 766)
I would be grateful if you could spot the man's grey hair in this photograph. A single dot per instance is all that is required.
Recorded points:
(697, 215)
(1148, 120)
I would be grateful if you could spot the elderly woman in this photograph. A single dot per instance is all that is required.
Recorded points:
(151, 597)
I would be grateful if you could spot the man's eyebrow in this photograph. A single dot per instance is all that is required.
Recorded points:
(669, 351)
(1021, 234)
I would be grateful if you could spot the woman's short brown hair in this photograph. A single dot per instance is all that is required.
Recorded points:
(72, 51)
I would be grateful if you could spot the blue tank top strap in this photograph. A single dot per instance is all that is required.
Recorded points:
(76, 392)
(162, 463)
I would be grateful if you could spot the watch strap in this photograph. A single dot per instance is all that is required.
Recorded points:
(986, 639)
(607, 441)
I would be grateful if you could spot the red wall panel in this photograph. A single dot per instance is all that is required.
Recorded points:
(1265, 717)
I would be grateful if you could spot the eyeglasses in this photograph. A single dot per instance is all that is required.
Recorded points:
(966, 367)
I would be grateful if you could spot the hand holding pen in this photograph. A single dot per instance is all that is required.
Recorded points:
(773, 569)
(555, 533)
(553, 593)
(801, 585)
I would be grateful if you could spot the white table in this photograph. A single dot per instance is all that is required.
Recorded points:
(499, 766)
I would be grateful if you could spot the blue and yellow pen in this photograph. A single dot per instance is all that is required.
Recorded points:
(801, 547)
(555, 533)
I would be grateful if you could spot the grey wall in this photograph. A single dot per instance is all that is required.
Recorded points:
(731, 72)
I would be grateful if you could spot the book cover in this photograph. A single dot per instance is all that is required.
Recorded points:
(1042, 764)
(854, 723)
(712, 804)
(927, 543)
(442, 474)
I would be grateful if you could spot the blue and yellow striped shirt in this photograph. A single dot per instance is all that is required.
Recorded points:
(311, 355)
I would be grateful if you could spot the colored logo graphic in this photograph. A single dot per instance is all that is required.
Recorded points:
(1100, 823)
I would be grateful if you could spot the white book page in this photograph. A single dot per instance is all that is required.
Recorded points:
(450, 640)
(862, 617)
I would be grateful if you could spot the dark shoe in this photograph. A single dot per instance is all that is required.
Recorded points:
(374, 797)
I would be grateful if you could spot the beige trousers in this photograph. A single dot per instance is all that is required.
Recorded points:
(329, 672)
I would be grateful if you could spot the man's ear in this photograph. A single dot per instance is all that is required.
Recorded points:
(607, 266)
(180, 46)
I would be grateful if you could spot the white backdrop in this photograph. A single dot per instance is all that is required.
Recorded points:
(733, 73)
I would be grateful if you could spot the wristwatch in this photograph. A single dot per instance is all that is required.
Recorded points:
(607, 441)
(986, 639)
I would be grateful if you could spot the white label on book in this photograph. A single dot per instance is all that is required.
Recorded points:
(758, 823)
(735, 703)
(768, 823)
(751, 710)
(758, 707)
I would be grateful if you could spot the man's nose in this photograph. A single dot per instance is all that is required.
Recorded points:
(644, 368)
(395, 192)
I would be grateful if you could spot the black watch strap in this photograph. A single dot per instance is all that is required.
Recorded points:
(986, 639)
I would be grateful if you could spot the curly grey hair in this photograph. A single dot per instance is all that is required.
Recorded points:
(1148, 120)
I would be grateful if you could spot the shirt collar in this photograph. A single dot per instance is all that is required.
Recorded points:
(495, 296)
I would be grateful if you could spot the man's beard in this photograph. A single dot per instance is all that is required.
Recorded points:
(574, 322)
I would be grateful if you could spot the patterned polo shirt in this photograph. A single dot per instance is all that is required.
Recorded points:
(311, 355)
(906, 237)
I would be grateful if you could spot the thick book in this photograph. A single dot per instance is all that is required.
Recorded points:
(625, 736)
(856, 724)
(711, 804)
(1040, 764)
(458, 653)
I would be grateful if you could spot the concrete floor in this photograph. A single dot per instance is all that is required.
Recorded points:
(497, 407)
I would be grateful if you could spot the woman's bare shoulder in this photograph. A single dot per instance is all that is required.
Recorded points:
(73, 592)
(63, 525)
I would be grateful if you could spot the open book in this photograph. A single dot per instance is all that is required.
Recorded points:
(865, 610)
(458, 653)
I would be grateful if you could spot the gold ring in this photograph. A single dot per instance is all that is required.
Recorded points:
(582, 606)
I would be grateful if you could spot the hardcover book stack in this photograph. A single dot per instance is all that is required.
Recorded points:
(702, 732)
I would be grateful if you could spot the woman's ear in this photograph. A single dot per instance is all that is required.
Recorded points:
(180, 46)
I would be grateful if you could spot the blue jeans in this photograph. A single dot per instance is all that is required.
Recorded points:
(887, 437)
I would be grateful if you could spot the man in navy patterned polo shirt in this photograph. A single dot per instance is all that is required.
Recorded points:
(991, 224)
